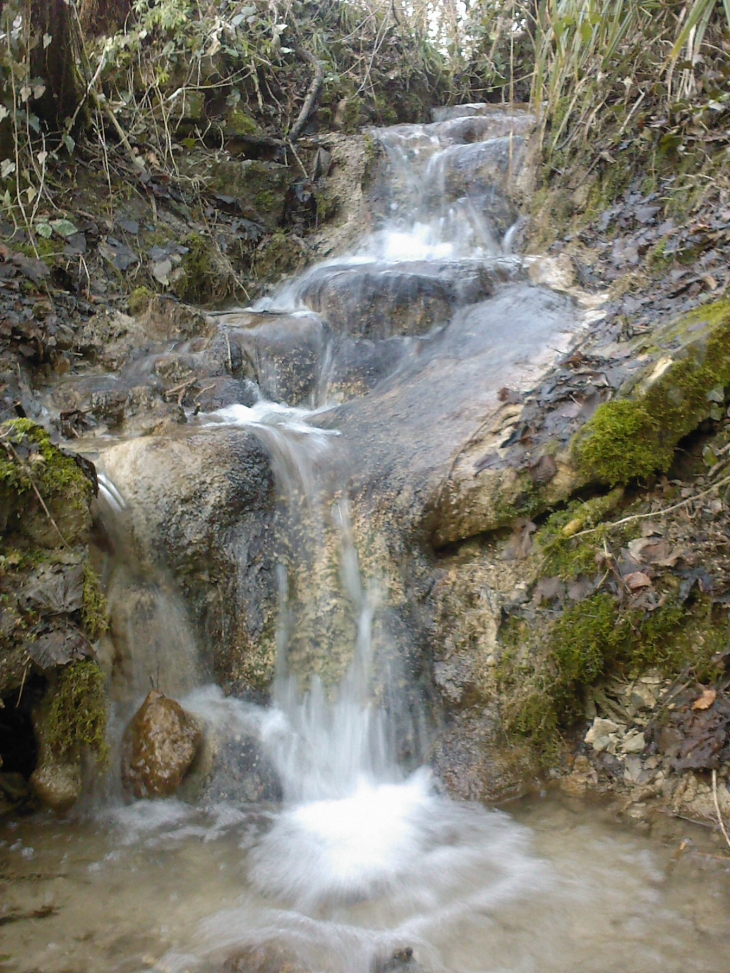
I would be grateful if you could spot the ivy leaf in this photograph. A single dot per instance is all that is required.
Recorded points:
(45, 230)
(3, 112)
(69, 142)
(47, 40)
(25, 92)
(7, 168)
(39, 89)
(64, 228)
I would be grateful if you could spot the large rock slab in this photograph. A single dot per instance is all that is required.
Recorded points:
(383, 300)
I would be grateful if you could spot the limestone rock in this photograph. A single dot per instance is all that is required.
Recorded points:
(160, 745)
(57, 784)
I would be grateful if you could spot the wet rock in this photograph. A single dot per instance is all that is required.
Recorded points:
(357, 365)
(380, 301)
(484, 169)
(57, 784)
(474, 764)
(159, 747)
(110, 339)
(219, 392)
(582, 778)
(168, 320)
(202, 506)
(477, 128)
(263, 958)
(285, 351)
(476, 108)
(14, 791)
(238, 772)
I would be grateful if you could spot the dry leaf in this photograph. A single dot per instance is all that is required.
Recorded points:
(637, 579)
(706, 700)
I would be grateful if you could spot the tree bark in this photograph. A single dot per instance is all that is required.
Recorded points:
(103, 16)
(54, 62)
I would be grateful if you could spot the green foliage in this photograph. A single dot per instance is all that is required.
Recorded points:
(77, 715)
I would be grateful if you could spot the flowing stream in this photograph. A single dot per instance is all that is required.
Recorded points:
(365, 865)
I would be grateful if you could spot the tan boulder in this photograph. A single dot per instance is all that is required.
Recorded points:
(57, 783)
(160, 744)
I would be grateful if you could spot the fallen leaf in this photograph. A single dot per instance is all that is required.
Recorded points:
(706, 700)
(64, 228)
(637, 579)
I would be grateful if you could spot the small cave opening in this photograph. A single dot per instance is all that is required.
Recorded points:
(18, 744)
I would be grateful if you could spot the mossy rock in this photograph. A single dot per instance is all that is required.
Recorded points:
(635, 435)
(260, 187)
(205, 276)
(45, 495)
(239, 123)
(281, 255)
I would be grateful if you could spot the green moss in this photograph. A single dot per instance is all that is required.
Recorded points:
(77, 715)
(677, 638)
(584, 641)
(139, 300)
(52, 472)
(326, 206)
(94, 612)
(201, 280)
(634, 438)
(568, 556)
(621, 444)
(658, 260)
(281, 255)
(524, 498)
(239, 123)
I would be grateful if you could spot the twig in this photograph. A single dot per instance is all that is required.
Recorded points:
(299, 161)
(22, 683)
(101, 102)
(717, 808)
(312, 94)
(654, 513)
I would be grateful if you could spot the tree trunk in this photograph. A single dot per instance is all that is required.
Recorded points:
(103, 16)
(54, 61)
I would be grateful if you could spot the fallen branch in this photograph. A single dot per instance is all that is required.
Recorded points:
(312, 94)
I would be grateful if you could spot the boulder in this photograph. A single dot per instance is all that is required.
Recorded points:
(56, 783)
(159, 747)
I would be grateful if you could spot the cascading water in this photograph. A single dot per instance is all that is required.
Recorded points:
(365, 866)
